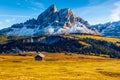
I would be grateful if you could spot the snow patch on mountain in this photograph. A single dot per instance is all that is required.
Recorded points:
(110, 29)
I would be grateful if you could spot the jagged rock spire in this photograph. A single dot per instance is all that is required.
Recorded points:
(53, 7)
(47, 16)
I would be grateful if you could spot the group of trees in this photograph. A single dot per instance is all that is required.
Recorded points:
(102, 47)
(96, 47)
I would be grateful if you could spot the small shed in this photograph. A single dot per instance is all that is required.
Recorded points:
(40, 57)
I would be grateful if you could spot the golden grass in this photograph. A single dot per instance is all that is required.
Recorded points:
(84, 43)
(59, 67)
(113, 40)
(118, 45)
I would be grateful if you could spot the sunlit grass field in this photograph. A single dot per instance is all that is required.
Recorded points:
(58, 66)
(107, 39)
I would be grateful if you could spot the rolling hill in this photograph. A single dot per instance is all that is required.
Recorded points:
(80, 44)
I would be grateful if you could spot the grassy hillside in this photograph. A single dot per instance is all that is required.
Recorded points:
(3, 39)
(98, 44)
(7, 39)
(58, 66)
(99, 38)
(80, 44)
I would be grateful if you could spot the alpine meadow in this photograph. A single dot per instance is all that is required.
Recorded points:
(54, 40)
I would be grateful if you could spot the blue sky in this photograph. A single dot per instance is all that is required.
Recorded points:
(94, 11)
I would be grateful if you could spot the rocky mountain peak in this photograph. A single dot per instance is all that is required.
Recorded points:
(64, 17)
(47, 16)
(53, 8)
(51, 21)
(67, 14)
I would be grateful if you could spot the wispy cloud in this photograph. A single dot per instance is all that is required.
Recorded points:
(96, 14)
(14, 16)
(10, 20)
(94, 2)
(37, 5)
(7, 20)
(115, 16)
(23, 10)
(0, 24)
(18, 3)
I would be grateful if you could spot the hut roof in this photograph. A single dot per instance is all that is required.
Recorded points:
(41, 55)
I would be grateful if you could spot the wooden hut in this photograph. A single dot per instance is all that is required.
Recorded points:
(40, 57)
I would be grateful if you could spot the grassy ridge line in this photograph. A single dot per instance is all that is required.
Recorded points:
(6, 39)
(113, 40)
(3, 39)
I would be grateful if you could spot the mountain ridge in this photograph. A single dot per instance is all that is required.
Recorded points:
(51, 22)
(109, 29)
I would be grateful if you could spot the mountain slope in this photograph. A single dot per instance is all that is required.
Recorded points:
(90, 45)
(51, 22)
(109, 29)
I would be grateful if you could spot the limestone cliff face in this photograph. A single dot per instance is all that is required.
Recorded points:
(64, 17)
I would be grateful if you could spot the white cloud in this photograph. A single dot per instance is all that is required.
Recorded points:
(14, 16)
(96, 14)
(115, 16)
(36, 4)
(18, 3)
(1, 25)
(10, 20)
(7, 21)
(13, 19)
